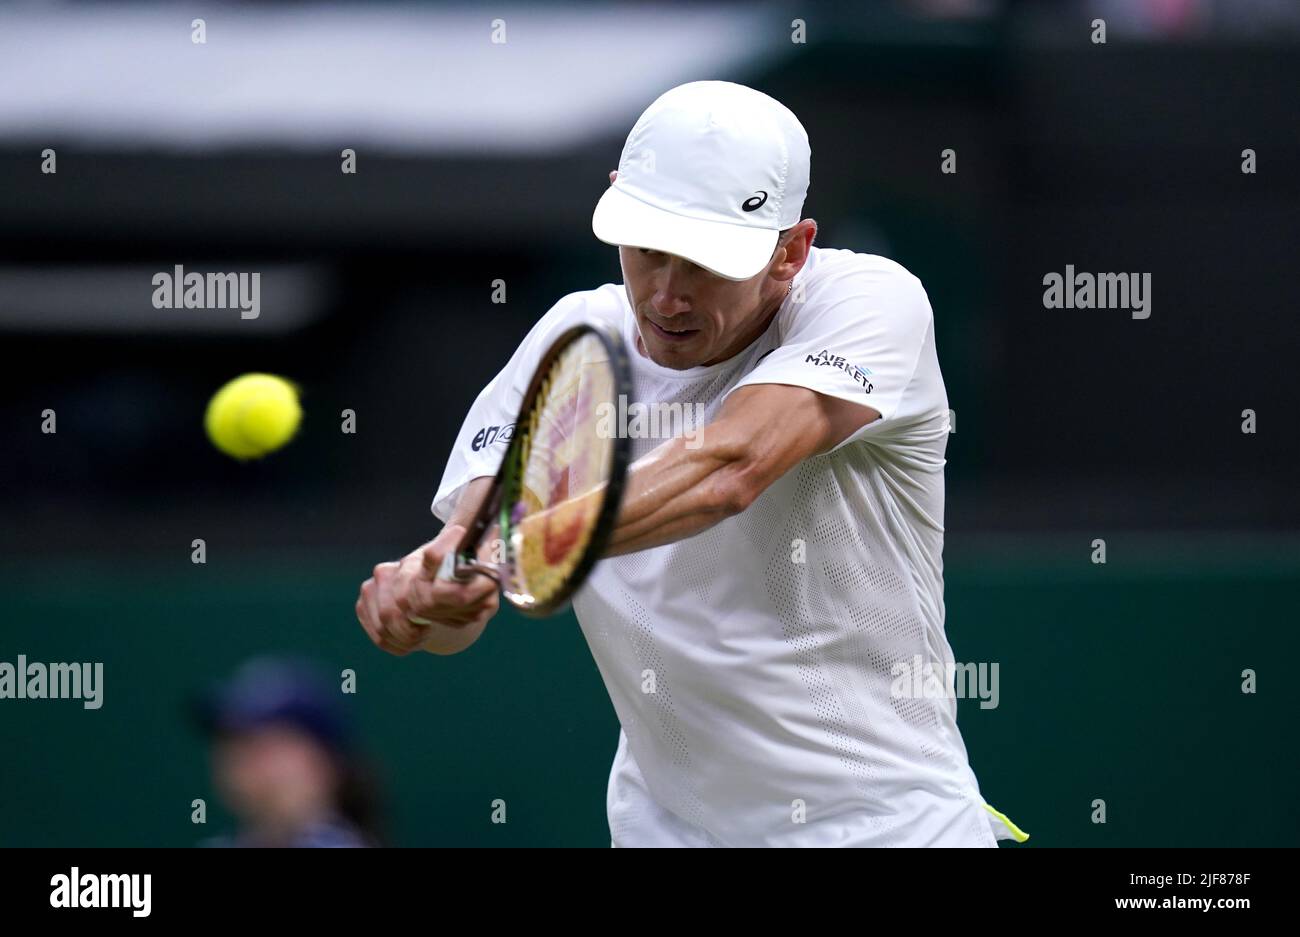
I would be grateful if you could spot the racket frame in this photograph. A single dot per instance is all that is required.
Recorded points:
(462, 563)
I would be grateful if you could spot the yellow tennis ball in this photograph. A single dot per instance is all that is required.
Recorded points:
(253, 415)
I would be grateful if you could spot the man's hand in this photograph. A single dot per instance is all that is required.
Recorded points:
(404, 606)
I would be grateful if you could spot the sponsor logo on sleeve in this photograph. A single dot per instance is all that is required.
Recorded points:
(827, 360)
(489, 435)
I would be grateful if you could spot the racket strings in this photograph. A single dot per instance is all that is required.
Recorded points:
(562, 459)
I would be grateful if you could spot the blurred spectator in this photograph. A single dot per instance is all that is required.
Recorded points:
(283, 761)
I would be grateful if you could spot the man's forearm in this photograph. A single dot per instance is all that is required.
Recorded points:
(673, 493)
(684, 486)
(676, 492)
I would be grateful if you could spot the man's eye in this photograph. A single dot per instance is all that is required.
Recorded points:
(647, 252)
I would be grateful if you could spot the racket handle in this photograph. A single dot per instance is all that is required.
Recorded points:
(452, 569)
(447, 569)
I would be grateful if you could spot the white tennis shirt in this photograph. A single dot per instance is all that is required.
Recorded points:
(754, 666)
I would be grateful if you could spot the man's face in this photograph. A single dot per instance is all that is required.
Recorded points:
(688, 316)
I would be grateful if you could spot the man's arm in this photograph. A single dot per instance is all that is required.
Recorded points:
(762, 431)
(673, 493)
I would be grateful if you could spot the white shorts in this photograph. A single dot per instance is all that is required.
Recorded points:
(637, 820)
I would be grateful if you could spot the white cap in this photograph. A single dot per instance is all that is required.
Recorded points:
(711, 172)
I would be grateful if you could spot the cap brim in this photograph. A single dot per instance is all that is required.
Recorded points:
(732, 251)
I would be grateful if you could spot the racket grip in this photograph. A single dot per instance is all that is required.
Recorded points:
(447, 569)
(454, 569)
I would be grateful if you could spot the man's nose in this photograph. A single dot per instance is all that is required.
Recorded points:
(673, 296)
(668, 303)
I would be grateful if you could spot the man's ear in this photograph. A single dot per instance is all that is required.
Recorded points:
(612, 176)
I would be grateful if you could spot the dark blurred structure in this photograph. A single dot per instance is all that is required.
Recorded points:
(1123, 156)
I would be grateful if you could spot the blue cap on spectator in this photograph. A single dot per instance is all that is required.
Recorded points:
(270, 691)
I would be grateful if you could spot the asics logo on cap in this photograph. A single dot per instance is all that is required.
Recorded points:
(753, 203)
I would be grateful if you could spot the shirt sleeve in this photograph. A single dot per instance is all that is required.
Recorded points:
(489, 425)
(859, 336)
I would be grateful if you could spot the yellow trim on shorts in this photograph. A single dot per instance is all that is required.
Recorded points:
(1017, 833)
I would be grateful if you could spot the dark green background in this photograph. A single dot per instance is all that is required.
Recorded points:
(1119, 682)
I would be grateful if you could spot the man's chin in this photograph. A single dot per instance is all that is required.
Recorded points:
(675, 356)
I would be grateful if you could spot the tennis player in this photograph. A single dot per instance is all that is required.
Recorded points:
(773, 571)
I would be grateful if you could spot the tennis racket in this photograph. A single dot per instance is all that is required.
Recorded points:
(556, 496)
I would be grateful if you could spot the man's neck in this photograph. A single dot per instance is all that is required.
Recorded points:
(760, 326)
